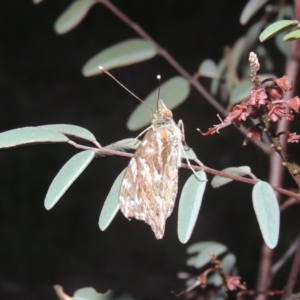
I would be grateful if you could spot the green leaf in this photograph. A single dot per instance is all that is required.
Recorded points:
(218, 181)
(292, 36)
(250, 9)
(240, 91)
(215, 83)
(189, 205)
(204, 251)
(282, 46)
(30, 135)
(208, 68)
(189, 153)
(276, 28)
(172, 92)
(267, 212)
(89, 293)
(228, 262)
(72, 130)
(125, 144)
(111, 204)
(66, 176)
(253, 33)
(238, 51)
(73, 15)
(122, 54)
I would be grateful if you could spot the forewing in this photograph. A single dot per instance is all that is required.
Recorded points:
(149, 187)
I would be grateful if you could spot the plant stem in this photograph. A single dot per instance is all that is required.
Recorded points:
(293, 273)
(191, 79)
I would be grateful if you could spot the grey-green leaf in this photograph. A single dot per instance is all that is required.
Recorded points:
(172, 92)
(215, 83)
(208, 68)
(240, 91)
(292, 36)
(72, 130)
(276, 28)
(267, 212)
(73, 15)
(188, 153)
(250, 9)
(89, 293)
(189, 205)
(204, 251)
(122, 54)
(282, 46)
(30, 135)
(125, 144)
(111, 204)
(66, 176)
(218, 181)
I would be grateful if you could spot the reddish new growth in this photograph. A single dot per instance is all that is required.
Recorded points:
(266, 98)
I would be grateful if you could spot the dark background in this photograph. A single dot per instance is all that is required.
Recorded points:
(41, 83)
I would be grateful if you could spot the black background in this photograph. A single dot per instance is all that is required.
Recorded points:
(41, 83)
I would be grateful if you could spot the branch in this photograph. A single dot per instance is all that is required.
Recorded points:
(193, 81)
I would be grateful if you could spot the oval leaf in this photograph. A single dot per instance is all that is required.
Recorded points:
(125, 144)
(208, 68)
(240, 91)
(111, 204)
(89, 293)
(280, 44)
(204, 250)
(276, 28)
(119, 55)
(215, 83)
(73, 15)
(267, 212)
(218, 181)
(30, 135)
(72, 130)
(172, 92)
(292, 36)
(250, 9)
(189, 205)
(66, 176)
(188, 154)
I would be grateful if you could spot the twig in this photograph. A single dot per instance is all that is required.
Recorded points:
(293, 273)
(176, 66)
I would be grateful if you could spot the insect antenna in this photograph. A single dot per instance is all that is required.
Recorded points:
(158, 77)
(123, 86)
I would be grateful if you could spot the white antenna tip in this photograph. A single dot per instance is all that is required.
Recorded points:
(158, 77)
(100, 67)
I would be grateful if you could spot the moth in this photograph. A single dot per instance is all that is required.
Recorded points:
(149, 187)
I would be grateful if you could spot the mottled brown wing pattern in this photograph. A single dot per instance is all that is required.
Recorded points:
(149, 187)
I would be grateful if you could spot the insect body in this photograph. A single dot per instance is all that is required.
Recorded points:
(149, 187)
